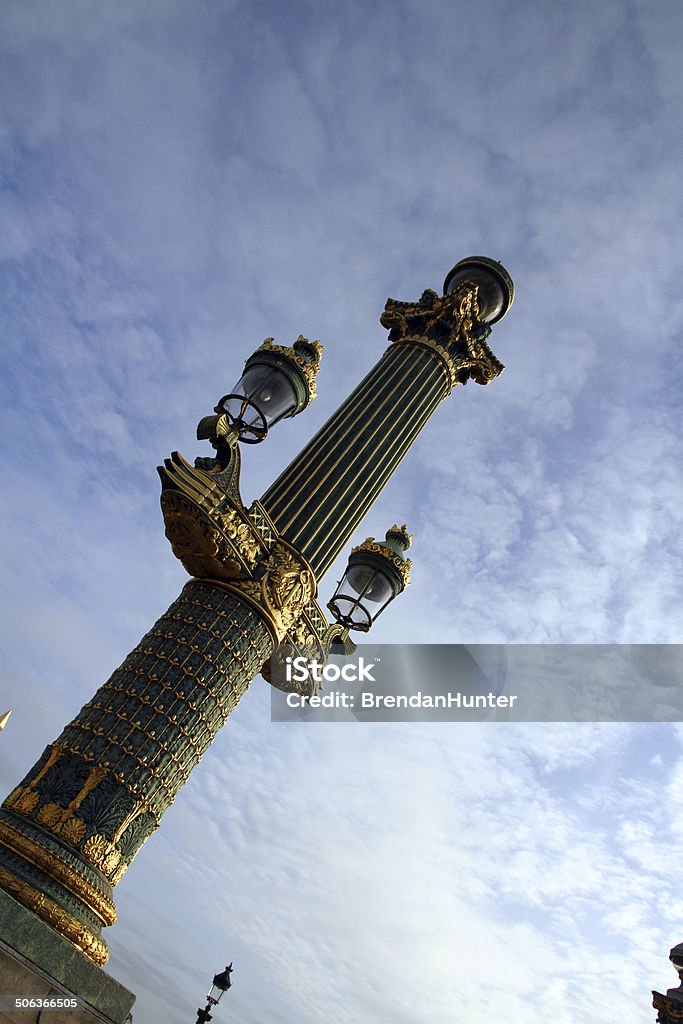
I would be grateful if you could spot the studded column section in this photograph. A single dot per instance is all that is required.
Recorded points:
(70, 830)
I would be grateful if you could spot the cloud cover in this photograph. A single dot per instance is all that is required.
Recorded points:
(181, 180)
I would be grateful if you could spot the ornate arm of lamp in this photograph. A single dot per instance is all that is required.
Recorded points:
(206, 522)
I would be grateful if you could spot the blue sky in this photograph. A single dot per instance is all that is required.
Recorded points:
(181, 180)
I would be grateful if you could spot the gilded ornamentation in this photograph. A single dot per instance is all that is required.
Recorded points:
(670, 1010)
(209, 530)
(403, 565)
(313, 634)
(242, 534)
(119, 873)
(402, 531)
(90, 944)
(300, 634)
(290, 584)
(102, 854)
(72, 830)
(22, 800)
(262, 524)
(194, 539)
(309, 368)
(283, 591)
(61, 822)
(51, 864)
(448, 328)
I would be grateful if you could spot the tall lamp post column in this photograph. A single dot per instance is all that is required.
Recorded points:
(72, 827)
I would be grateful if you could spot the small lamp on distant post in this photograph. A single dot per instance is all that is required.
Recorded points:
(221, 983)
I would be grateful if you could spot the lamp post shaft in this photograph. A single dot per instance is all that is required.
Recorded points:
(322, 496)
(69, 831)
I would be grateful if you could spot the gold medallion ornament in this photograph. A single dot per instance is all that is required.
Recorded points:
(287, 585)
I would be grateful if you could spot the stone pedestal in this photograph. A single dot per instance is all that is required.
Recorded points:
(36, 962)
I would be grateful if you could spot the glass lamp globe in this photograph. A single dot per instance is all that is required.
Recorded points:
(263, 395)
(495, 288)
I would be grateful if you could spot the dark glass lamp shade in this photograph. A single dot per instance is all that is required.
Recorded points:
(263, 396)
(494, 284)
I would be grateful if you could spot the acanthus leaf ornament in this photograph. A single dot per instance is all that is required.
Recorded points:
(448, 328)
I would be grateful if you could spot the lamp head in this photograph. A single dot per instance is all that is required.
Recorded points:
(676, 958)
(278, 381)
(221, 984)
(376, 573)
(495, 288)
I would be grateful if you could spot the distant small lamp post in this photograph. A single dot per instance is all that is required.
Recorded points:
(221, 983)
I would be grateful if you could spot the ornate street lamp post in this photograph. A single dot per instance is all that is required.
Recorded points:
(71, 828)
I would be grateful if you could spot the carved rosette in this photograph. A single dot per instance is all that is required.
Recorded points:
(447, 327)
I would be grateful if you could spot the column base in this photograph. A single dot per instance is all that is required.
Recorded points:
(35, 961)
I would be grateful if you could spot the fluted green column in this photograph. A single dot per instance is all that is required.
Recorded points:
(322, 496)
(320, 499)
